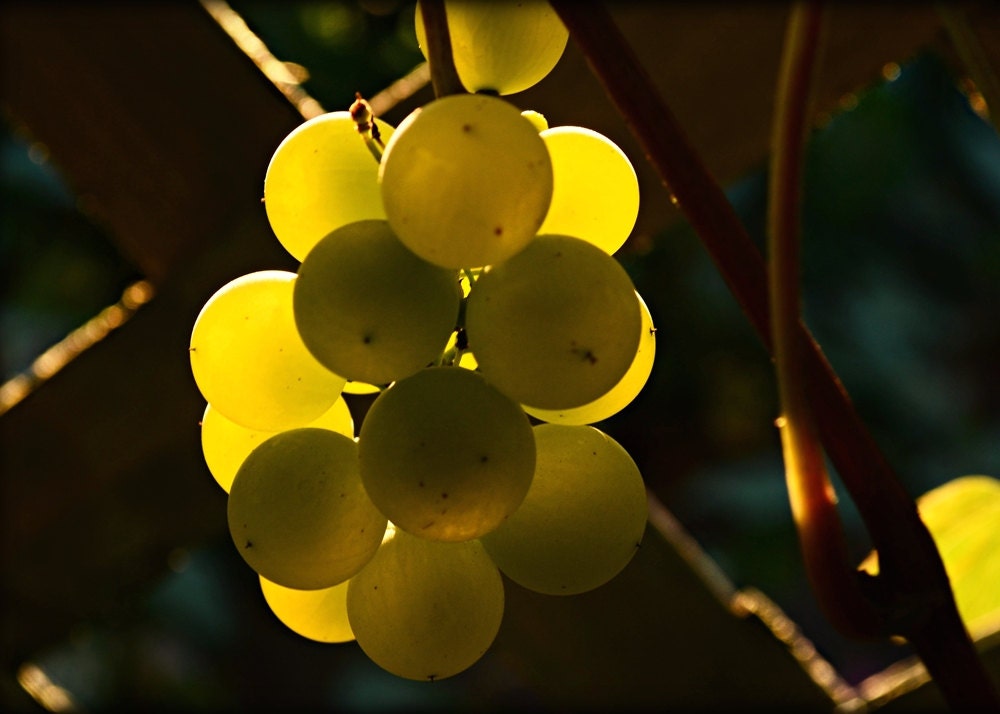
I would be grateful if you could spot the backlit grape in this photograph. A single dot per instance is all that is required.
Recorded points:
(446, 456)
(582, 520)
(298, 513)
(249, 361)
(556, 326)
(466, 181)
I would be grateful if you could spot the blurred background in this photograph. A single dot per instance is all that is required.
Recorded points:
(901, 286)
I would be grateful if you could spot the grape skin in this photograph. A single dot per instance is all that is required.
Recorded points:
(582, 519)
(248, 360)
(446, 456)
(426, 610)
(369, 309)
(619, 396)
(321, 177)
(225, 444)
(502, 47)
(298, 513)
(465, 181)
(556, 326)
(319, 615)
(595, 191)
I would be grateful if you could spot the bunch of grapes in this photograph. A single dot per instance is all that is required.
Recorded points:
(460, 267)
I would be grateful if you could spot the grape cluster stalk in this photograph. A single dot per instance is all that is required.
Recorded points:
(460, 267)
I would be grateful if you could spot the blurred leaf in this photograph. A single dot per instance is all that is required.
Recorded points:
(963, 516)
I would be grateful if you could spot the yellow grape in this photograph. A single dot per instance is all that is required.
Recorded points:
(556, 326)
(249, 362)
(371, 310)
(466, 181)
(595, 192)
(582, 520)
(622, 394)
(321, 176)
(503, 47)
(537, 119)
(298, 513)
(225, 444)
(319, 615)
(426, 610)
(444, 455)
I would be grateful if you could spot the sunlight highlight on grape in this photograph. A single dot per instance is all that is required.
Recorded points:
(321, 176)
(249, 362)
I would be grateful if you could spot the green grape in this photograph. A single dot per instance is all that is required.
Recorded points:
(556, 326)
(595, 192)
(353, 387)
(369, 309)
(466, 181)
(622, 394)
(319, 615)
(249, 362)
(426, 610)
(537, 119)
(582, 519)
(225, 444)
(444, 455)
(501, 47)
(298, 512)
(321, 176)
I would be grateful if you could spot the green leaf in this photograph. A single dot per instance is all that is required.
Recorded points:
(963, 517)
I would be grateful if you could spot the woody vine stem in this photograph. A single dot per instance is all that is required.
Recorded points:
(912, 596)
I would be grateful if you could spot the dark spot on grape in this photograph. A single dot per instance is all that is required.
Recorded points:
(427, 525)
(498, 231)
(563, 587)
(421, 484)
(444, 495)
(249, 544)
(367, 338)
(375, 587)
(638, 545)
(431, 677)
(343, 495)
(467, 128)
(483, 459)
(652, 330)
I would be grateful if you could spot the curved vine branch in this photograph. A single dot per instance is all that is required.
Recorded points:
(833, 577)
(914, 589)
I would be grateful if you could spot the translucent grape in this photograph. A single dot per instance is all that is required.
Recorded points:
(319, 615)
(582, 519)
(298, 512)
(556, 326)
(466, 181)
(369, 309)
(321, 176)
(595, 192)
(225, 444)
(249, 362)
(622, 394)
(503, 47)
(446, 456)
(426, 610)
(537, 119)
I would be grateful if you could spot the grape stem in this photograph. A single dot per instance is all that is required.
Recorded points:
(364, 119)
(811, 495)
(444, 75)
(913, 589)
